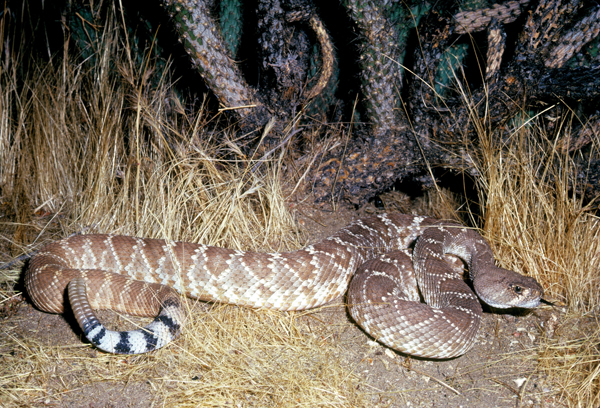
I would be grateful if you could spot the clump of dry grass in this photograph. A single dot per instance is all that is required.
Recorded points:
(532, 210)
(118, 155)
(543, 228)
(266, 357)
(100, 149)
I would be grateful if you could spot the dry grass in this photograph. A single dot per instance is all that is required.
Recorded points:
(226, 356)
(541, 227)
(97, 148)
(530, 206)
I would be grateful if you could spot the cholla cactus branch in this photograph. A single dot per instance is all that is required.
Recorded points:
(205, 45)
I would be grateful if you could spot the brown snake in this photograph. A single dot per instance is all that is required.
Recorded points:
(143, 277)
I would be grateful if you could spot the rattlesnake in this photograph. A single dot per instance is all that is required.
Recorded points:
(142, 277)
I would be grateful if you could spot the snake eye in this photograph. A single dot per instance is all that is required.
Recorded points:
(518, 290)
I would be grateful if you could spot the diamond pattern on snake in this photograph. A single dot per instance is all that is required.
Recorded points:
(415, 303)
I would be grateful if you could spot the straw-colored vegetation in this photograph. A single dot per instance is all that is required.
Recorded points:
(535, 219)
(94, 147)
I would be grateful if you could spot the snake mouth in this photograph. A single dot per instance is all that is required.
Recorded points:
(531, 304)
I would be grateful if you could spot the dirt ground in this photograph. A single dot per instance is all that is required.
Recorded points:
(501, 370)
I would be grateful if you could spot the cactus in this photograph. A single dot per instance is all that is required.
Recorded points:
(230, 17)
(206, 47)
(384, 28)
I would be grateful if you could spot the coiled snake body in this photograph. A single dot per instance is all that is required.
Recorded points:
(143, 277)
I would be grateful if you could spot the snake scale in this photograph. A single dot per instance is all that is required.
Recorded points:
(146, 277)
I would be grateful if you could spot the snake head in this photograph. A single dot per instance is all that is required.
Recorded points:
(505, 289)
